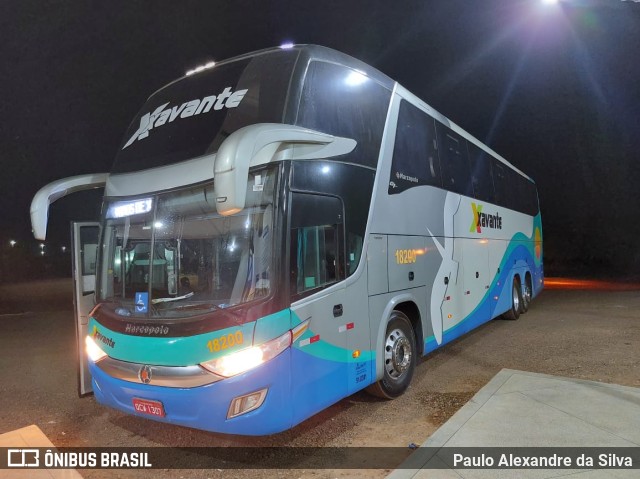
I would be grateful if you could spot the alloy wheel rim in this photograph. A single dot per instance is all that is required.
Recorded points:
(397, 354)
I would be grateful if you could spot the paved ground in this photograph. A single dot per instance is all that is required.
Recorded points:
(522, 409)
(29, 437)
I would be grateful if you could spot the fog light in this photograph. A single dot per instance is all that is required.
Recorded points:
(248, 402)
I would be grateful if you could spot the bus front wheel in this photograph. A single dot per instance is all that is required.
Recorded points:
(516, 301)
(399, 354)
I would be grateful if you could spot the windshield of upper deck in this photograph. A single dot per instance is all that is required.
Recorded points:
(192, 116)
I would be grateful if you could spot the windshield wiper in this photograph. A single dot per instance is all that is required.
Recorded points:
(202, 306)
(169, 300)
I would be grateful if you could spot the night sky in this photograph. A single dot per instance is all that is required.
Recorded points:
(555, 89)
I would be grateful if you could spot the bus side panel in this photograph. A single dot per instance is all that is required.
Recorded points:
(413, 212)
(412, 264)
(500, 303)
(488, 256)
(477, 282)
(356, 324)
(479, 246)
(538, 272)
(333, 358)
(497, 299)
(319, 359)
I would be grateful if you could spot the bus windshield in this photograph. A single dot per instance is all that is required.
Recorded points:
(192, 116)
(171, 255)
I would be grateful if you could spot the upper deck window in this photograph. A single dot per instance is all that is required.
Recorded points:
(345, 102)
(415, 159)
(192, 116)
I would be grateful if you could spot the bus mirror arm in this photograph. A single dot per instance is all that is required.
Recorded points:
(56, 190)
(260, 144)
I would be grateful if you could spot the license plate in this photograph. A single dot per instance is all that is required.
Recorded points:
(146, 406)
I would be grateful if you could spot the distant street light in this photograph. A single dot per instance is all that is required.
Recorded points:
(12, 243)
(64, 249)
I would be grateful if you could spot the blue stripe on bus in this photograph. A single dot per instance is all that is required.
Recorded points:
(519, 254)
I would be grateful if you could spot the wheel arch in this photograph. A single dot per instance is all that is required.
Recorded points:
(411, 311)
(528, 276)
(516, 277)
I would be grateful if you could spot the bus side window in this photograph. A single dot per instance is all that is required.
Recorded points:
(354, 252)
(531, 197)
(316, 243)
(513, 190)
(501, 183)
(415, 159)
(480, 164)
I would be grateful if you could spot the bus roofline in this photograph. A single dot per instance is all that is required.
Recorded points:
(56, 190)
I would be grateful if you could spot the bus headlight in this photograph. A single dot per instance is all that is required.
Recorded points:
(94, 351)
(241, 361)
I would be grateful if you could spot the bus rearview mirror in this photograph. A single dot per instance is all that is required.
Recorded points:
(260, 144)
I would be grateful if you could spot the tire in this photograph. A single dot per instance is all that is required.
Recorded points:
(516, 301)
(526, 295)
(399, 353)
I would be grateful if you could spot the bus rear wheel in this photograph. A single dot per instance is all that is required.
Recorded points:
(526, 295)
(399, 355)
(516, 301)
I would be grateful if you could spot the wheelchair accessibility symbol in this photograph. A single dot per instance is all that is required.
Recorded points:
(142, 302)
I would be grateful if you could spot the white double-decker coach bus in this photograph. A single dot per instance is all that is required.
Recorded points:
(282, 230)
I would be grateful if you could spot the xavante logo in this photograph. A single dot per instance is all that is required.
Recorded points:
(98, 336)
(162, 115)
(482, 220)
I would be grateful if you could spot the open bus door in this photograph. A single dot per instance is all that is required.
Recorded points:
(84, 239)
